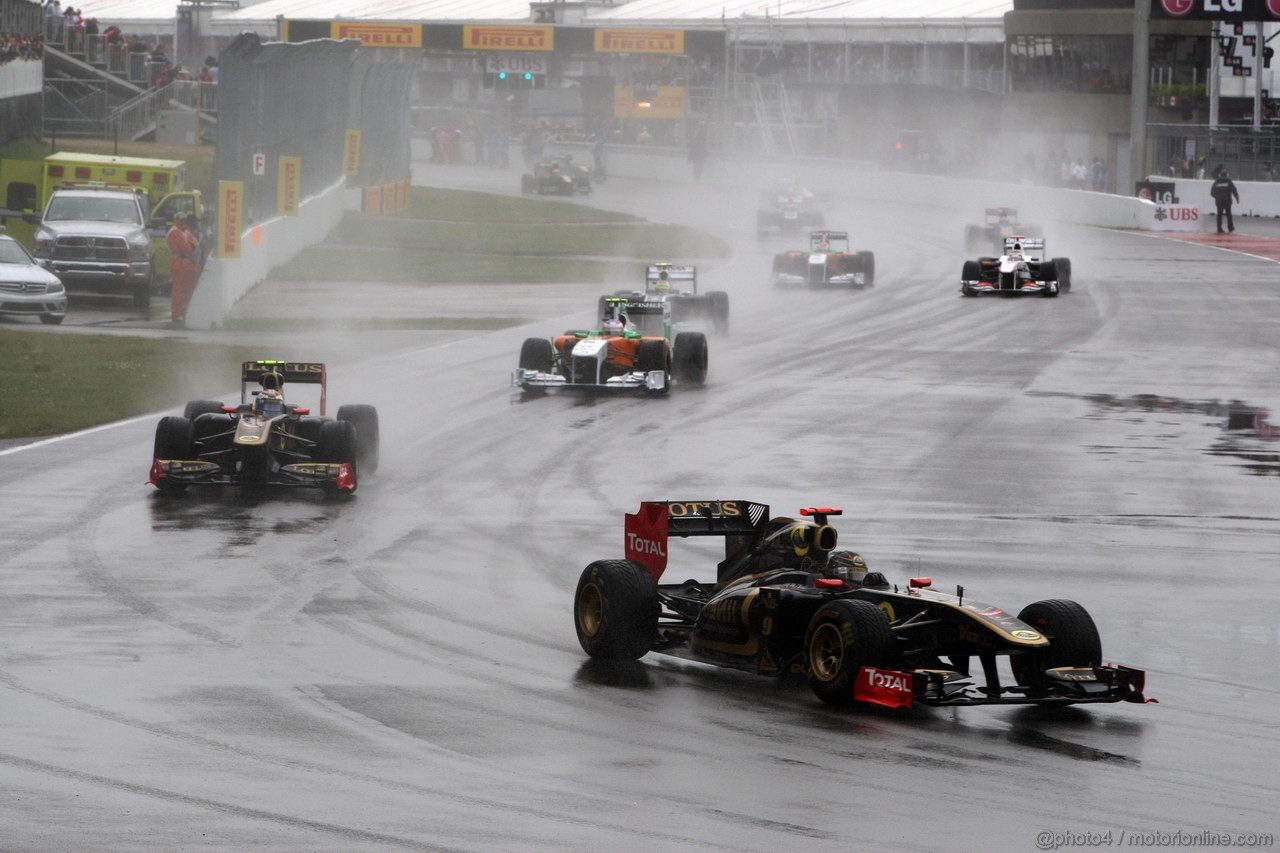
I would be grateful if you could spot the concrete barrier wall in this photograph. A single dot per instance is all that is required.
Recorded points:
(224, 281)
(1257, 198)
(866, 181)
(21, 77)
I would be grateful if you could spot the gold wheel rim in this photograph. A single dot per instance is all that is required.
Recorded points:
(590, 610)
(826, 651)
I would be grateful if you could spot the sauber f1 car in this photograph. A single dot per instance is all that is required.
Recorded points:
(633, 348)
(1001, 222)
(266, 440)
(1021, 269)
(677, 284)
(783, 602)
(827, 261)
(558, 176)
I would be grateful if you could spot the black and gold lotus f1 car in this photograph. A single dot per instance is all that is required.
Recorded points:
(266, 440)
(784, 601)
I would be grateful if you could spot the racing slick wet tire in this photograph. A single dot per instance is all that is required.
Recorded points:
(691, 357)
(972, 271)
(1049, 272)
(843, 636)
(527, 184)
(1072, 635)
(365, 419)
(719, 311)
(196, 408)
(615, 610)
(536, 354)
(654, 355)
(868, 268)
(338, 442)
(174, 440)
(1064, 273)
(52, 319)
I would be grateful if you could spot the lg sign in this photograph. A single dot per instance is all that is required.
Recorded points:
(1217, 10)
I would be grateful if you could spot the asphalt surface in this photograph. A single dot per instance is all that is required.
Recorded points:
(239, 671)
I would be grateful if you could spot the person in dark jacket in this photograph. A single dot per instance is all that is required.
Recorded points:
(1223, 191)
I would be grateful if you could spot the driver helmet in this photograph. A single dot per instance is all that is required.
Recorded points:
(613, 327)
(270, 402)
(848, 566)
(663, 285)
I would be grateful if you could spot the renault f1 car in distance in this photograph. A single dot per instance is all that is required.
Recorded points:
(1022, 269)
(1000, 223)
(782, 602)
(633, 348)
(557, 176)
(827, 261)
(267, 441)
(677, 284)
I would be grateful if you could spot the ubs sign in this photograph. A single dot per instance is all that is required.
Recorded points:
(1217, 10)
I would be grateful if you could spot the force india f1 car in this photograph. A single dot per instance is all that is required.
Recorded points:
(267, 441)
(828, 261)
(1021, 269)
(783, 603)
(633, 349)
(677, 284)
(1000, 223)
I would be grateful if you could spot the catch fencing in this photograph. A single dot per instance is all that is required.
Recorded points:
(299, 100)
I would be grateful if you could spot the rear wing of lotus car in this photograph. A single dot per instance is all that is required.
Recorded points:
(649, 530)
(679, 275)
(1031, 248)
(303, 372)
(995, 214)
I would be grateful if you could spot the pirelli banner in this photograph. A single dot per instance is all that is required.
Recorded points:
(503, 37)
(230, 218)
(377, 34)
(639, 41)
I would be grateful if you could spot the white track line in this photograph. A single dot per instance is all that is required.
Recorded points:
(90, 431)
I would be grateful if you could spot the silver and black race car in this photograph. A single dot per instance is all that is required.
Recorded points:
(264, 440)
(783, 602)
(788, 209)
(1022, 269)
(677, 285)
(557, 176)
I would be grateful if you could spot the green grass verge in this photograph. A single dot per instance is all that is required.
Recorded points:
(342, 263)
(468, 206)
(454, 236)
(57, 383)
(398, 324)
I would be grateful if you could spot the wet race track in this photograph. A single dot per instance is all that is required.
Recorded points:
(226, 670)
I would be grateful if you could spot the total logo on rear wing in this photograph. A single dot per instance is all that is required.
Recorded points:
(647, 531)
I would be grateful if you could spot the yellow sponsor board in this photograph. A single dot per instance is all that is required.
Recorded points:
(351, 153)
(640, 41)
(373, 200)
(288, 186)
(653, 102)
(230, 218)
(500, 37)
(377, 34)
(388, 198)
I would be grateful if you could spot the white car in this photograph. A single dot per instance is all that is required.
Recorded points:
(1022, 269)
(28, 289)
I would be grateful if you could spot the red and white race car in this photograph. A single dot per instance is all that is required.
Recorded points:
(1022, 269)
